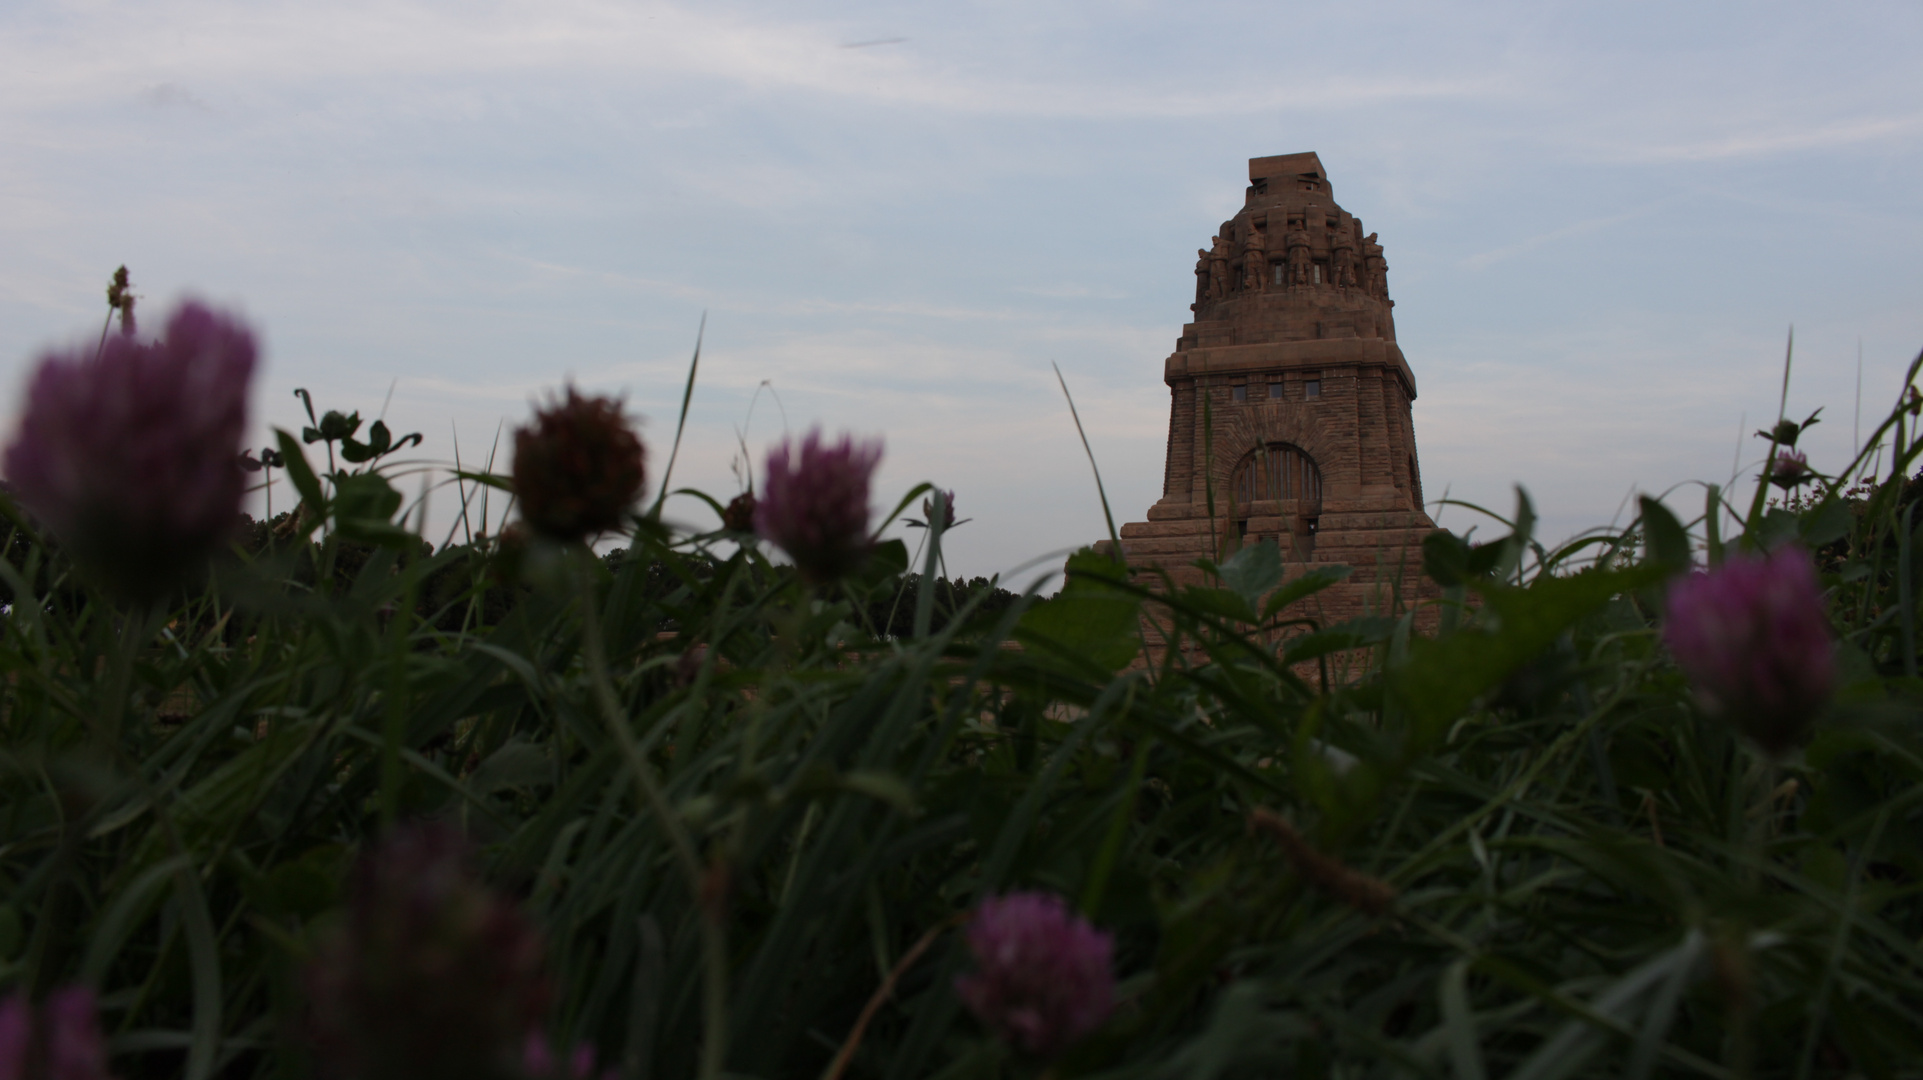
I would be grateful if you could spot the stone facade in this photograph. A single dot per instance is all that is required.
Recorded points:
(1290, 401)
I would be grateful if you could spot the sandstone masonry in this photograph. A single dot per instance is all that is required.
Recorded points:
(1289, 401)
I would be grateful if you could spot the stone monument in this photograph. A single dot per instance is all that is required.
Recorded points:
(1289, 401)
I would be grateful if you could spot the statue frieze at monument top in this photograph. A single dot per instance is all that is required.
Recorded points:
(1293, 263)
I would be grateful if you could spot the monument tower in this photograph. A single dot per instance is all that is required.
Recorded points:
(1289, 401)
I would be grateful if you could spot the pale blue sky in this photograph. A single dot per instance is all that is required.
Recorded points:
(1600, 219)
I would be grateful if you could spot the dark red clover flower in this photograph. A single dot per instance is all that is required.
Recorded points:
(1754, 641)
(130, 452)
(431, 976)
(739, 514)
(1043, 977)
(120, 299)
(60, 1040)
(578, 467)
(814, 504)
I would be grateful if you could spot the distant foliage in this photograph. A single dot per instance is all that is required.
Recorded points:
(356, 802)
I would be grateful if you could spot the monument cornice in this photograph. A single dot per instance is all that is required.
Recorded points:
(1278, 355)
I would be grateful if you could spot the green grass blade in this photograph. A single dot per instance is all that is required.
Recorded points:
(1465, 1047)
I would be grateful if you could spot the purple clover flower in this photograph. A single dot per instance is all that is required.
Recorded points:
(814, 503)
(1044, 976)
(432, 976)
(538, 1061)
(62, 1037)
(130, 453)
(1754, 641)
(1789, 469)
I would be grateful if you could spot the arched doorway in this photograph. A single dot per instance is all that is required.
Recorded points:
(1276, 490)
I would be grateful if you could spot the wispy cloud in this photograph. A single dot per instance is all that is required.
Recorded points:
(172, 95)
(1768, 142)
(1520, 247)
(1073, 292)
(288, 44)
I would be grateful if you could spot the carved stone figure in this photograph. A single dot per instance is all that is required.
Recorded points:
(1300, 261)
(1201, 274)
(1218, 267)
(1341, 258)
(1375, 268)
(1255, 262)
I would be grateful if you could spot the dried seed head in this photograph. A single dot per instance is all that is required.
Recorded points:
(120, 298)
(1369, 895)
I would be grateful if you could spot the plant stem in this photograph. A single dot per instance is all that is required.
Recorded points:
(882, 993)
(43, 955)
(394, 724)
(104, 327)
(714, 942)
(136, 627)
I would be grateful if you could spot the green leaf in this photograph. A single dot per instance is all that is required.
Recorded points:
(302, 474)
(366, 497)
(888, 559)
(1445, 558)
(1090, 618)
(364, 505)
(1221, 603)
(1525, 532)
(1354, 634)
(1449, 560)
(1777, 528)
(229, 797)
(881, 786)
(1580, 1038)
(1253, 571)
(303, 887)
(354, 452)
(517, 764)
(336, 425)
(494, 480)
(380, 533)
(203, 960)
(131, 905)
(1827, 523)
(1465, 1048)
(1303, 587)
(1442, 677)
(1667, 541)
